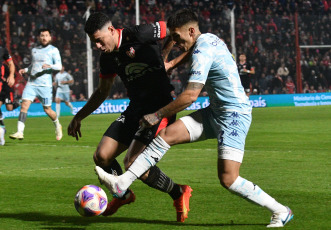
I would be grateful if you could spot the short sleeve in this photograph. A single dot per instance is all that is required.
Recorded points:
(6, 57)
(151, 32)
(107, 69)
(202, 60)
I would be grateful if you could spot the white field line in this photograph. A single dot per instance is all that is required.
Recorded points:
(73, 146)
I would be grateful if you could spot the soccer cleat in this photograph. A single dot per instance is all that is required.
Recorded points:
(116, 203)
(279, 220)
(17, 135)
(182, 204)
(110, 181)
(58, 132)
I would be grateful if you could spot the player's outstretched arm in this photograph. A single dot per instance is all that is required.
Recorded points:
(11, 78)
(181, 59)
(92, 104)
(184, 100)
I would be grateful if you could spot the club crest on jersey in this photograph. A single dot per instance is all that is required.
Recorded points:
(131, 53)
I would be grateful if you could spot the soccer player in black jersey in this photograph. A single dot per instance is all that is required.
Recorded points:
(135, 56)
(245, 70)
(6, 82)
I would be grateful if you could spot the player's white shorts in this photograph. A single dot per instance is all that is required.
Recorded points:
(44, 94)
(230, 129)
(64, 96)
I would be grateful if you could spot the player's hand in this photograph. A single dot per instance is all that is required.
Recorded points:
(11, 81)
(74, 128)
(21, 71)
(46, 66)
(167, 66)
(149, 120)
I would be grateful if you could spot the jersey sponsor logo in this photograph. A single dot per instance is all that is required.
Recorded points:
(136, 70)
(193, 72)
(131, 53)
(121, 119)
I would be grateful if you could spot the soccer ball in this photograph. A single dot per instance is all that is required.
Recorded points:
(90, 200)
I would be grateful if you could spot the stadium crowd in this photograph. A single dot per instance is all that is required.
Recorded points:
(264, 31)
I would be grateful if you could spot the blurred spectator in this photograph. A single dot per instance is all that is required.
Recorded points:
(290, 85)
(283, 72)
(264, 33)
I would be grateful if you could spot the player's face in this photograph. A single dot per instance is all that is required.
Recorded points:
(242, 58)
(45, 38)
(104, 39)
(183, 37)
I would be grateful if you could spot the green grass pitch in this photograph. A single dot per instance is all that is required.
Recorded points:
(287, 154)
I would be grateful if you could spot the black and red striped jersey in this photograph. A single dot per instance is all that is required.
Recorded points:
(4, 55)
(4, 73)
(139, 64)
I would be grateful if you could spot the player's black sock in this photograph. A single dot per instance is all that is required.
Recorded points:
(158, 180)
(22, 117)
(114, 168)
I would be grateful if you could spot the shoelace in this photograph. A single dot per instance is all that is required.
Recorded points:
(274, 218)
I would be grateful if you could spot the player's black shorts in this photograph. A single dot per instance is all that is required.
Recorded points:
(7, 96)
(125, 128)
(245, 81)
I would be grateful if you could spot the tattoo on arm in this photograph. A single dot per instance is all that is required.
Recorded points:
(194, 86)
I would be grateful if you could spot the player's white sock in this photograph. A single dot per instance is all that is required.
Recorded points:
(71, 107)
(58, 109)
(20, 127)
(255, 194)
(56, 123)
(148, 158)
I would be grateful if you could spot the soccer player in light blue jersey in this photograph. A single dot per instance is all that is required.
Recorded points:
(227, 118)
(45, 59)
(62, 80)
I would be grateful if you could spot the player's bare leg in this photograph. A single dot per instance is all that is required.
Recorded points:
(21, 120)
(105, 157)
(58, 107)
(70, 106)
(173, 134)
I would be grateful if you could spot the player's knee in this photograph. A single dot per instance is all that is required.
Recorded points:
(227, 180)
(101, 158)
(164, 135)
(47, 109)
(25, 106)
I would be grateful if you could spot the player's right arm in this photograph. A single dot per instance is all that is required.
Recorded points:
(92, 104)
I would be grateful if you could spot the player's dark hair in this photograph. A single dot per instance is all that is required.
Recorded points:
(95, 22)
(181, 17)
(44, 30)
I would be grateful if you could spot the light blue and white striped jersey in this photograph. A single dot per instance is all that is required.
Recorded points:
(214, 66)
(43, 55)
(65, 76)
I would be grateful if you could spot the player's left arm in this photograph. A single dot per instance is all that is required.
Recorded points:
(11, 78)
(184, 100)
